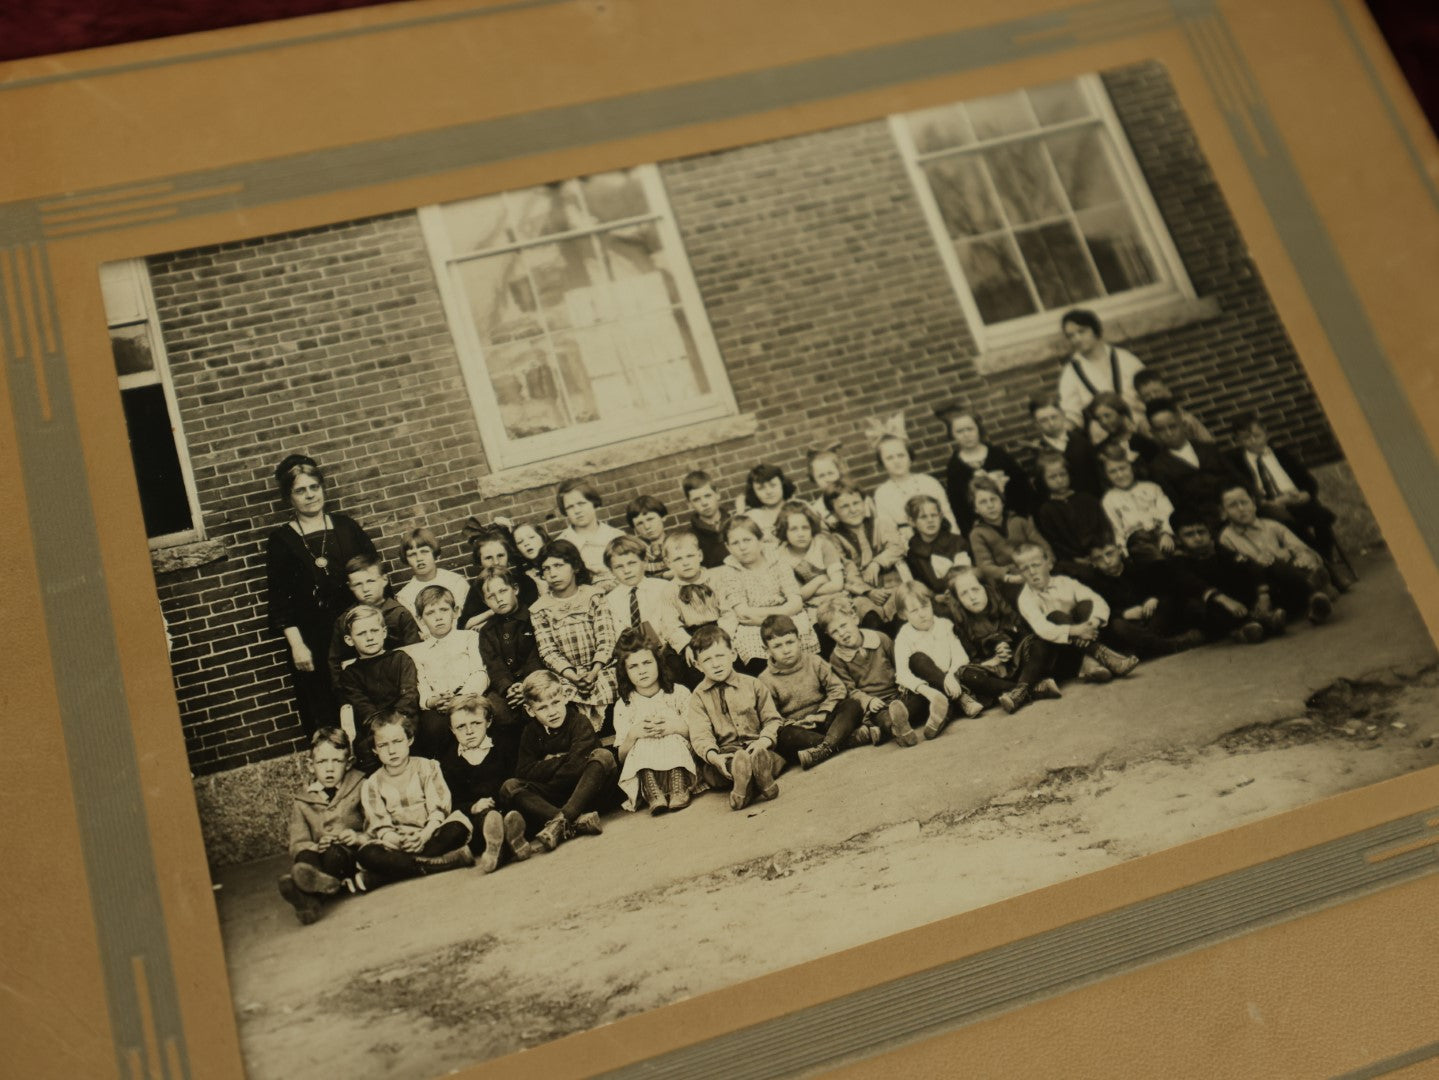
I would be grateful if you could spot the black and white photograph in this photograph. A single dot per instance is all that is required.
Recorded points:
(584, 597)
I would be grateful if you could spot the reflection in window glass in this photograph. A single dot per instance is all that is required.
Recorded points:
(131, 346)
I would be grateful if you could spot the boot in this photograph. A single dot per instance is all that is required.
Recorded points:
(899, 727)
(312, 879)
(815, 755)
(650, 788)
(307, 907)
(969, 705)
(1320, 607)
(553, 833)
(1251, 633)
(740, 775)
(1011, 701)
(937, 720)
(864, 735)
(492, 828)
(1117, 663)
(588, 824)
(520, 848)
(678, 782)
(1190, 639)
(1092, 671)
(1047, 688)
(764, 786)
(450, 860)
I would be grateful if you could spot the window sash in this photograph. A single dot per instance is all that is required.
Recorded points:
(1171, 279)
(504, 451)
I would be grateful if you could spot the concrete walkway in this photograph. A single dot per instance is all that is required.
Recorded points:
(1178, 702)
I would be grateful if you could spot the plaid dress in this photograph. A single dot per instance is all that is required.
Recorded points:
(764, 586)
(577, 632)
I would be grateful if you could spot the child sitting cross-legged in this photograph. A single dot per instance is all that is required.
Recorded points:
(651, 727)
(1295, 571)
(562, 769)
(411, 826)
(365, 574)
(326, 827)
(928, 657)
(1070, 615)
(377, 682)
(870, 558)
(1009, 663)
(820, 718)
(864, 661)
(1146, 616)
(1222, 593)
(474, 771)
(733, 723)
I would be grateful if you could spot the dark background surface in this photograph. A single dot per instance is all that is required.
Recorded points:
(51, 26)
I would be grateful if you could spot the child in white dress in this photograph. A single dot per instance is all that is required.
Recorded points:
(651, 732)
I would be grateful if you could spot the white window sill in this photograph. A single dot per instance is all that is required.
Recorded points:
(617, 455)
(1119, 328)
(165, 560)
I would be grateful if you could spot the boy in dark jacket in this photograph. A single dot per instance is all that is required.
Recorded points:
(507, 646)
(475, 770)
(562, 769)
(1147, 618)
(1222, 594)
(365, 574)
(377, 682)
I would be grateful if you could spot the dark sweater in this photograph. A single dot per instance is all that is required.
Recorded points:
(475, 604)
(403, 630)
(1018, 494)
(556, 758)
(1072, 524)
(948, 544)
(712, 546)
(470, 783)
(507, 646)
(376, 684)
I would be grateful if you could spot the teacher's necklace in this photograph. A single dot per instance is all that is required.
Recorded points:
(320, 561)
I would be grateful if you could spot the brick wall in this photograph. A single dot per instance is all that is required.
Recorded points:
(828, 301)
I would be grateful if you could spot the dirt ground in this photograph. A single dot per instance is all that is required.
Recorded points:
(425, 977)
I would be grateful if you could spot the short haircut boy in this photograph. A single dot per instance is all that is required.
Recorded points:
(356, 563)
(418, 538)
(1043, 401)
(1146, 377)
(1047, 459)
(539, 685)
(498, 573)
(585, 485)
(392, 719)
(694, 480)
(777, 626)
(1243, 421)
(432, 594)
(707, 637)
(1161, 405)
(912, 594)
(685, 535)
(472, 703)
(331, 736)
(843, 487)
(1030, 545)
(621, 545)
(744, 523)
(357, 612)
(644, 504)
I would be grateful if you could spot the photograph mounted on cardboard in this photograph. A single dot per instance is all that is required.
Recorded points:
(773, 549)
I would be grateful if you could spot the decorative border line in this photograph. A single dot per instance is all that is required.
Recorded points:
(952, 995)
(119, 862)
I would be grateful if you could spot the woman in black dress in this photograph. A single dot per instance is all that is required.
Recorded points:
(974, 455)
(305, 560)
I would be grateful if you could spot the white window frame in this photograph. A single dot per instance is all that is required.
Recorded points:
(138, 275)
(503, 452)
(1174, 284)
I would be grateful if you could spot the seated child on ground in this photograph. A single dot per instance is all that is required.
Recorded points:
(474, 771)
(733, 723)
(863, 659)
(509, 652)
(411, 827)
(563, 771)
(651, 729)
(494, 549)
(1138, 510)
(997, 531)
(1069, 519)
(646, 516)
(1146, 616)
(1293, 568)
(326, 826)
(1286, 491)
(808, 551)
(1070, 615)
(448, 665)
(1072, 444)
(707, 517)
(378, 682)
(1222, 593)
(1009, 663)
(759, 588)
(421, 550)
(928, 657)
(820, 718)
(935, 547)
(366, 577)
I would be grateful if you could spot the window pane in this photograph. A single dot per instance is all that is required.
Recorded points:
(120, 287)
(1003, 114)
(1057, 264)
(1058, 102)
(477, 224)
(526, 388)
(547, 210)
(574, 352)
(131, 346)
(500, 298)
(943, 128)
(1084, 168)
(1118, 248)
(660, 359)
(163, 501)
(614, 195)
(636, 251)
(963, 196)
(1025, 183)
(992, 271)
(697, 371)
(570, 283)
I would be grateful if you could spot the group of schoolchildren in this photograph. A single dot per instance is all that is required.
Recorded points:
(496, 719)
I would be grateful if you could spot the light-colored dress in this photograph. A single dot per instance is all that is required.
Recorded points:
(639, 751)
(578, 632)
(890, 497)
(592, 551)
(764, 586)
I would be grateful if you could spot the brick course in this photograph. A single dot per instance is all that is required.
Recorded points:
(827, 297)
